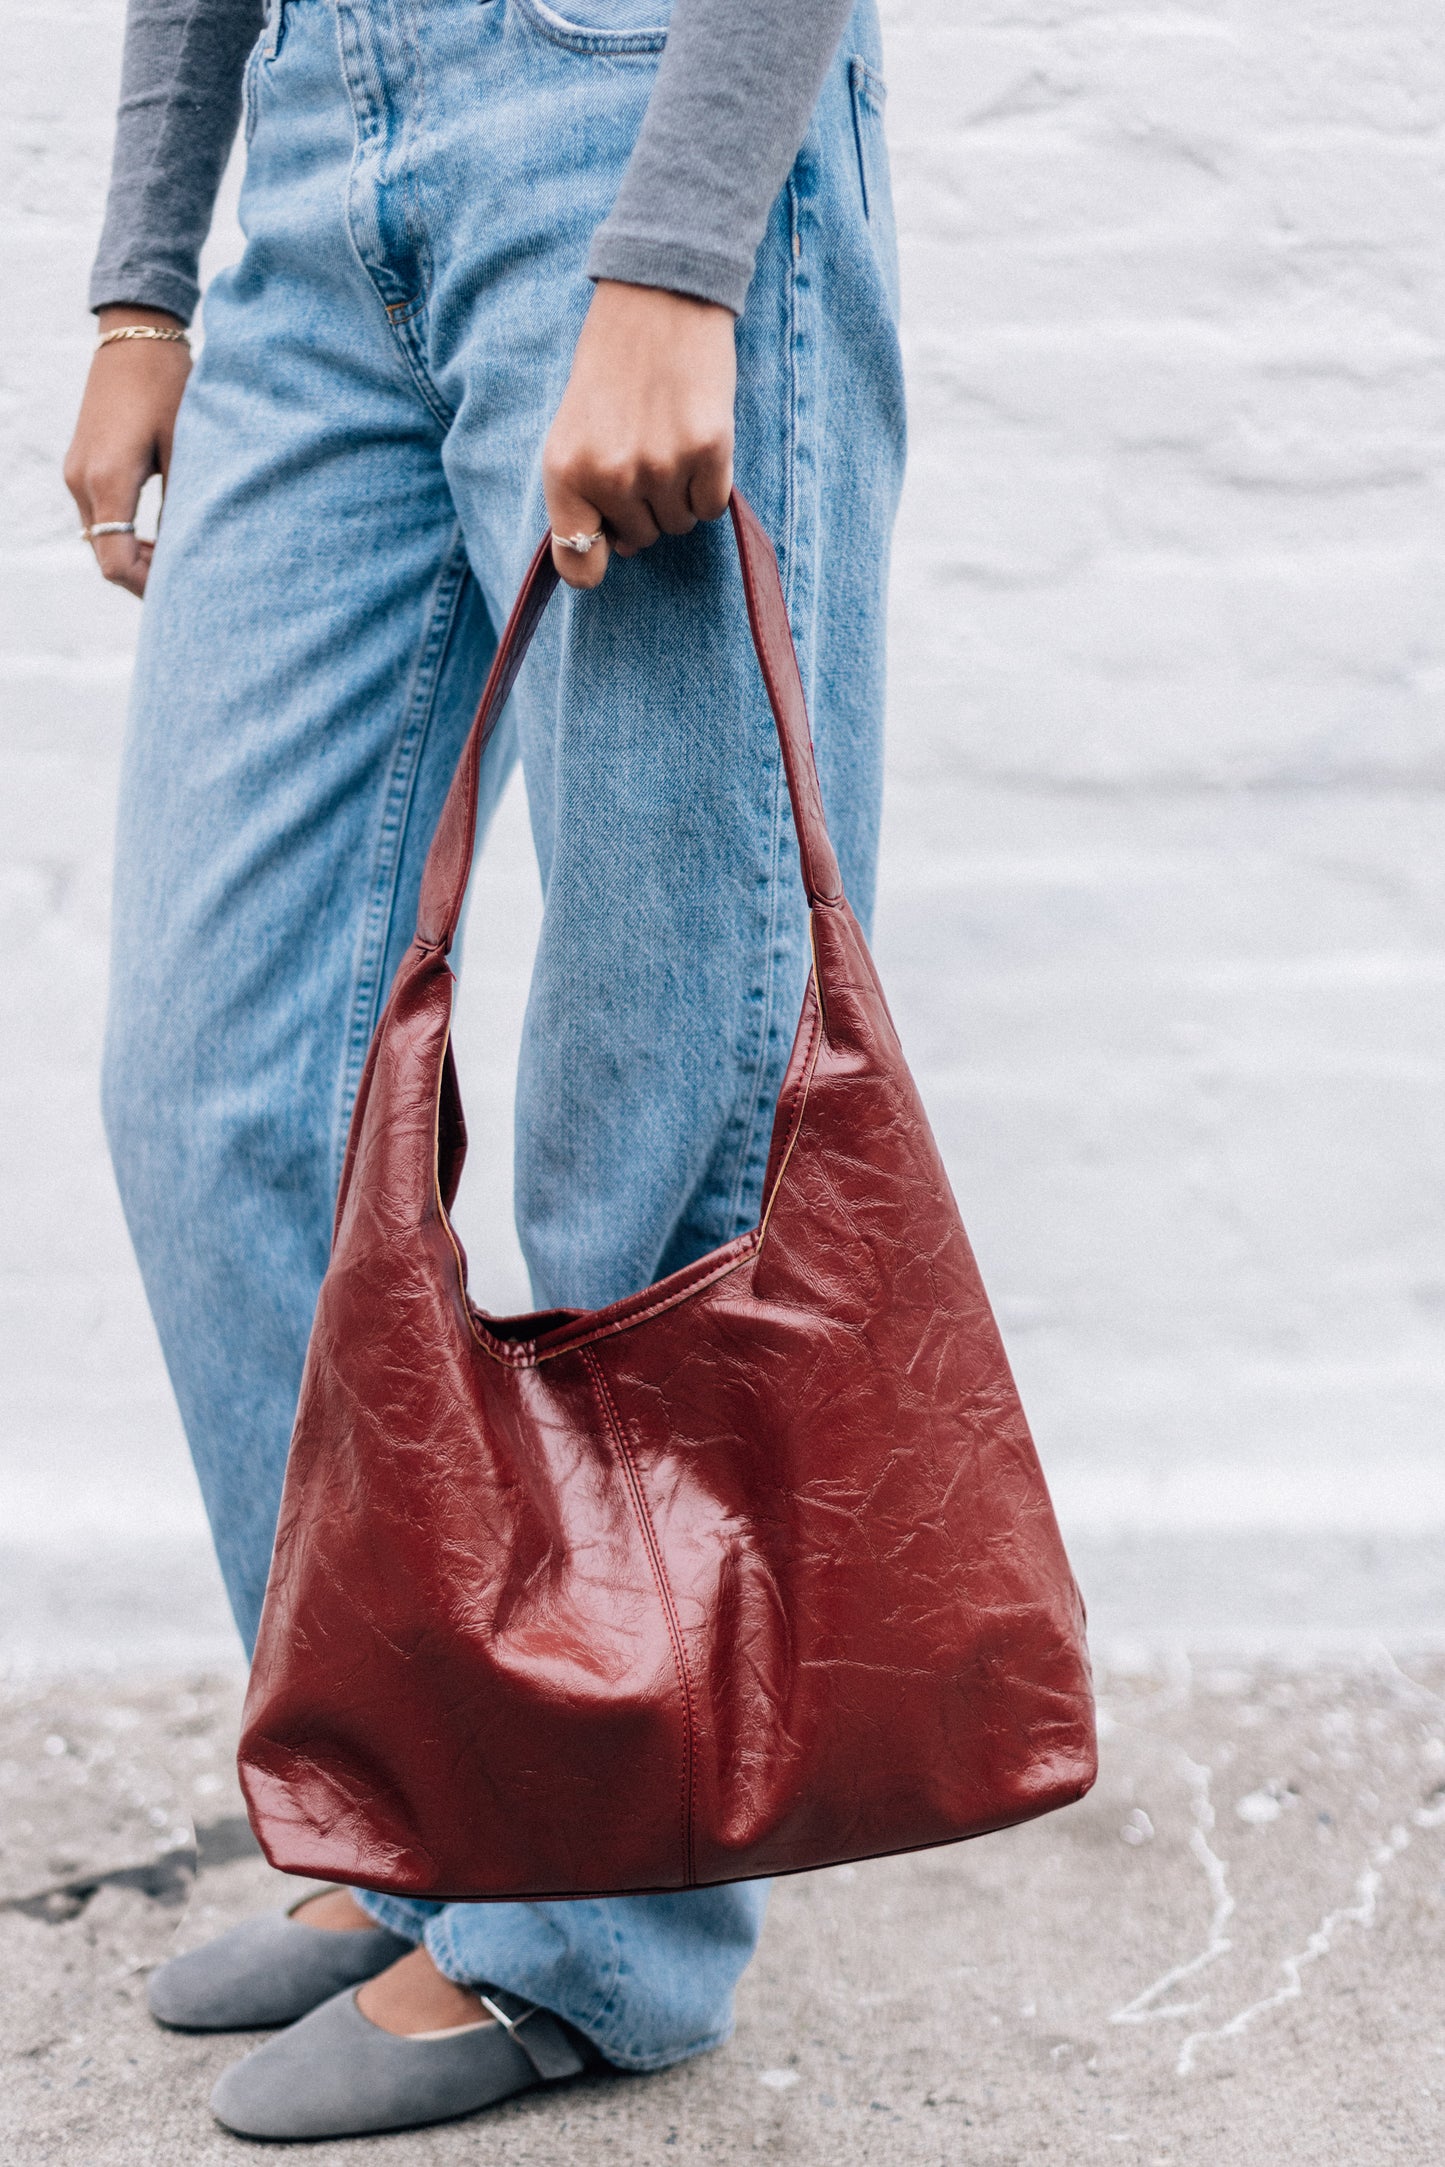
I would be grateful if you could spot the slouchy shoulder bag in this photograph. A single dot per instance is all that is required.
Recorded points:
(752, 1572)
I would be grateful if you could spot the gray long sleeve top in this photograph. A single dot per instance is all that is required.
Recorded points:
(734, 92)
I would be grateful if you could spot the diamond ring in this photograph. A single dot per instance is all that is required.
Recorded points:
(581, 543)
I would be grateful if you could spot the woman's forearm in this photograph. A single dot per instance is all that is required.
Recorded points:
(180, 98)
(731, 105)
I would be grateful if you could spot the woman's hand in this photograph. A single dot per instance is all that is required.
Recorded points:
(643, 440)
(123, 436)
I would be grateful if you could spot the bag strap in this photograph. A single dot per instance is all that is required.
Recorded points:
(449, 860)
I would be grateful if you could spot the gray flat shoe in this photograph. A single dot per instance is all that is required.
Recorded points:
(336, 2074)
(269, 1970)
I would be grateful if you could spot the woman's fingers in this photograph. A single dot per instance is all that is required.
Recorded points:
(711, 482)
(123, 560)
(570, 513)
(667, 494)
(105, 497)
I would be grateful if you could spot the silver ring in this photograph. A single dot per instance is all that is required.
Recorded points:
(107, 526)
(581, 543)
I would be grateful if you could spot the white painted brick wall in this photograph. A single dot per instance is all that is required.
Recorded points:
(1165, 874)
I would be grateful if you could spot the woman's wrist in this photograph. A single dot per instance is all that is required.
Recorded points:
(117, 314)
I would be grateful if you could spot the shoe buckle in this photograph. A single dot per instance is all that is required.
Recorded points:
(548, 2049)
(508, 2023)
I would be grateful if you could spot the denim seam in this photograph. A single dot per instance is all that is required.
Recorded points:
(600, 2024)
(748, 1141)
(415, 221)
(790, 508)
(366, 120)
(604, 2015)
(404, 311)
(404, 328)
(386, 864)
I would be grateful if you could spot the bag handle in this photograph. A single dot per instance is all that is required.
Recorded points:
(449, 860)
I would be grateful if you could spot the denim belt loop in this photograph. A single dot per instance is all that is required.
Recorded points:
(275, 9)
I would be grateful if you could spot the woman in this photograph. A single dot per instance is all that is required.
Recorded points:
(467, 220)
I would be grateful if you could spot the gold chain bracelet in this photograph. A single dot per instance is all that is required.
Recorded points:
(143, 331)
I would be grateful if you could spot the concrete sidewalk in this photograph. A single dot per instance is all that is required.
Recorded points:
(1231, 1952)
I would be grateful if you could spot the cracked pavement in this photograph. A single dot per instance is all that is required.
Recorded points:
(1231, 1951)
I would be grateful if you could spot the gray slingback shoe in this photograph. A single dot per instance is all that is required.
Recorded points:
(269, 1970)
(336, 2074)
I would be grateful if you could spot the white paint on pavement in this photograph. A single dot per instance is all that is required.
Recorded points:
(1149, 2007)
(1360, 1911)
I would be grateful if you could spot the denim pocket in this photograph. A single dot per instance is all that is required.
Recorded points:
(248, 86)
(870, 94)
(601, 26)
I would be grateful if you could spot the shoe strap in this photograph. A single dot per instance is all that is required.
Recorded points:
(536, 2031)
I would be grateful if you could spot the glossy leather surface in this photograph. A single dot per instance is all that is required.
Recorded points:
(752, 1572)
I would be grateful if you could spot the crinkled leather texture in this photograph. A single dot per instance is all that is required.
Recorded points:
(753, 1572)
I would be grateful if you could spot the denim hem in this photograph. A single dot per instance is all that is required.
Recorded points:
(591, 2016)
(604, 2026)
(642, 2065)
(396, 1913)
(428, 1926)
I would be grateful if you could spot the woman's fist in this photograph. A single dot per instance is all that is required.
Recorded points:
(642, 443)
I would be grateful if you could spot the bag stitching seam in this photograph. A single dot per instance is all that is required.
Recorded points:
(754, 1239)
(527, 1355)
(795, 1123)
(665, 1595)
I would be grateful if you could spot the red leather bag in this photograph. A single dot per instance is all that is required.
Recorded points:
(752, 1572)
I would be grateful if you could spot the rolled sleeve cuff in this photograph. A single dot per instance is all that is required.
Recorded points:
(137, 284)
(637, 259)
